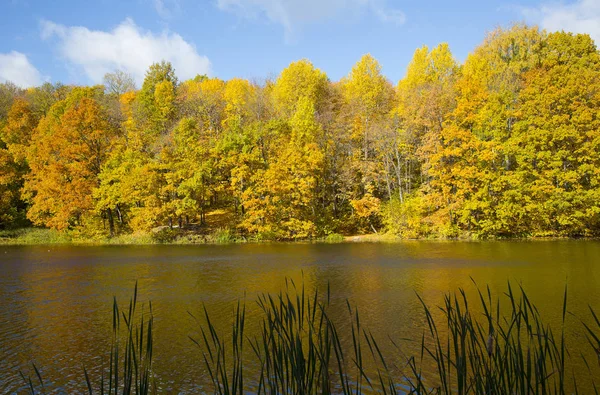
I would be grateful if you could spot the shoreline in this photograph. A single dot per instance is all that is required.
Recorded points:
(44, 237)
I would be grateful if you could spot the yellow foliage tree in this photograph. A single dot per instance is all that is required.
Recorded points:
(69, 147)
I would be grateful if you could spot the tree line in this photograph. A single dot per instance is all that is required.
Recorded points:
(506, 144)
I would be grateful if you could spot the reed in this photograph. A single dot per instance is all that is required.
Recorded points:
(496, 348)
(129, 368)
(500, 346)
(298, 349)
(507, 350)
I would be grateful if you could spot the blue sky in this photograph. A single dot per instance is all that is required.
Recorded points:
(78, 41)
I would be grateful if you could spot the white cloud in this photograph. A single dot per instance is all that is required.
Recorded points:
(580, 16)
(166, 8)
(127, 48)
(15, 67)
(292, 14)
(392, 16)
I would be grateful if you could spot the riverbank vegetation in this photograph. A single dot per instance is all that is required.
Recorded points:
(505, 145)
(493, 345)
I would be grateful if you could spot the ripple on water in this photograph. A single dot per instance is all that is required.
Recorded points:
(55, 307)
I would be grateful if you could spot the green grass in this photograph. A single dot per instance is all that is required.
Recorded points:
(222, 236)
(217, 236)
(33, 236)
(334, 238)
(140, 238)
(301, 349)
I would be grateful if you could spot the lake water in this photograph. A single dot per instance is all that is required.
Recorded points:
(56, 301)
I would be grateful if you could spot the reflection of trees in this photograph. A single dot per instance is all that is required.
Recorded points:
(57, 303)
(65, 323)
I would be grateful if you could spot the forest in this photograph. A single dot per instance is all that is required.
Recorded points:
(506, 144)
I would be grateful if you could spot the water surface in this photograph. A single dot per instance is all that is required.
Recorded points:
(56, 301)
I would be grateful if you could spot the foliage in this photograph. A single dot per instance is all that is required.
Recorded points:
(299, 79)
(68, 149)
(334, 238)
(405, 218)
(504, 145)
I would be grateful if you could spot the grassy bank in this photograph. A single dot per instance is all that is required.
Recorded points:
(301, 349)
(164, 235)
(33, 236)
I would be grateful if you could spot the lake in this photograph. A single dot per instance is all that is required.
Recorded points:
(56, 301)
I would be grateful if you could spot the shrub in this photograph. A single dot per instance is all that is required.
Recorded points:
(164, 235)
(334, 238)
(405, 218)
(221, 236)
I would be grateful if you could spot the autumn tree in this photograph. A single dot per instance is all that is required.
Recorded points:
(20, 124)
(299, 79)
(68, 149)
(555, 141)
(503, 145)
(189, 169)
(240, 98)
(118, 83)
(203, 99)
(369, 96)
(15, 139)
(282, 202)
(156, 99)
(368, 99)
(8, 93)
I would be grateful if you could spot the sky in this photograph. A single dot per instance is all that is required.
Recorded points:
(77, 42)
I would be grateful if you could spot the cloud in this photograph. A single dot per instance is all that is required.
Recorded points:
(16, 68)
(126, 47)
(292, 14)
(581, 16)
(166, 8)
(392, 16)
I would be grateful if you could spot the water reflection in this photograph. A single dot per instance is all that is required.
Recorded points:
(55, 302)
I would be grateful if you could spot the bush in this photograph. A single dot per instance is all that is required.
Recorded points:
(334, 238)
(405, 218)
(164, 235)
(190, 238)
(221, 236)
(218, 236)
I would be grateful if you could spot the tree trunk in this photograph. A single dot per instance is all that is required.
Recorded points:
(111, 222)
(366, 137)
(119, 214)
